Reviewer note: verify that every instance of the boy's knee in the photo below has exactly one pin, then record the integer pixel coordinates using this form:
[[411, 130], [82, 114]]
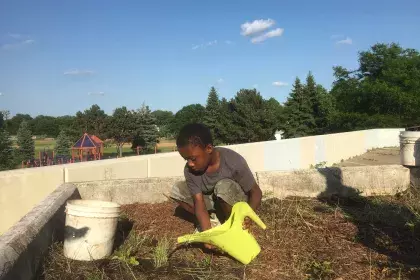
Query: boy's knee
[[229, 191], [180, 192]]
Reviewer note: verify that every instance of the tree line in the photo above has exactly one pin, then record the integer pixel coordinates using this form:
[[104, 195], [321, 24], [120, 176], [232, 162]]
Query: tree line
[[382, 92]]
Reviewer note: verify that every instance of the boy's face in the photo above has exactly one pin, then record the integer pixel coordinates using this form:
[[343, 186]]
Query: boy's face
[[197, 157]]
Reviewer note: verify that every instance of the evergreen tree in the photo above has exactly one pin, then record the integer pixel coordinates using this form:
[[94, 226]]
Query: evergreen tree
[[146, 128], [311, 94], [212, 115], [6, 151], [26, 145], [253, 119], [63, 144], [227, 129], [321, 103], [326, 110], [1, 120], [298, 112]]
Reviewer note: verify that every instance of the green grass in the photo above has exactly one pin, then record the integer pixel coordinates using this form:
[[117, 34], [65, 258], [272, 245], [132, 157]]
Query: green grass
[[165, 146]]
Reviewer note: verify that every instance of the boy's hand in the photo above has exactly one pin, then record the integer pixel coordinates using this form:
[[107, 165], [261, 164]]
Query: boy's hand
[[246, 224], [209, 246]]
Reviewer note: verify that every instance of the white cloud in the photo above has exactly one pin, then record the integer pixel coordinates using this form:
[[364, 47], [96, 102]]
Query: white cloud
[[280, 84], [77, 72], [16, 45], [347, 41], [219, 81], [273, 33], [101, 93], [16, 36], [256, 26], [211, 43], [336, 36], [255, 85], [205, 45], [228, 42], [1, 94]]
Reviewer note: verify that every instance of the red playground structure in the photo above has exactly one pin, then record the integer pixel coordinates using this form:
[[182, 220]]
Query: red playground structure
[[88, 147]]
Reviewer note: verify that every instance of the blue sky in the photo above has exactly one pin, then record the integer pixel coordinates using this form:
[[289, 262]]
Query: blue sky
[[58, 57]]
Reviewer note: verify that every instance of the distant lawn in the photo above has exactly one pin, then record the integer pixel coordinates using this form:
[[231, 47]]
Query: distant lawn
[[165, 146]]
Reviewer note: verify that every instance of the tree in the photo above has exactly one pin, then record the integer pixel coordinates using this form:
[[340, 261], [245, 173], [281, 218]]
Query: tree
[[92, 121], [253, 118], [13, 124], [164, 120], [321, 103], [298, 112], [311, 94], [324, 117], [26, 145], [6, 151], [274, 106], [227, 129], [188, 114], [212, 115], [122, 127], [386, 82], [146, 128], [1, 120], [63, 144], [45, 125], [69, 125], [5, 115]]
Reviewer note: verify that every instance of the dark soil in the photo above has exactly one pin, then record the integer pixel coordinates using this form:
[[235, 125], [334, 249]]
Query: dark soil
[[353, 238]]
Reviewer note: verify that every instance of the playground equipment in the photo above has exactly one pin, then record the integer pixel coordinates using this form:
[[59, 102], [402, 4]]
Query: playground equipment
[[230, 237], [88, 147]]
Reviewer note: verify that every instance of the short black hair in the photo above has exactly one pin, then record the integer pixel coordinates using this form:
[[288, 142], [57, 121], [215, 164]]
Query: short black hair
[[194, 134]]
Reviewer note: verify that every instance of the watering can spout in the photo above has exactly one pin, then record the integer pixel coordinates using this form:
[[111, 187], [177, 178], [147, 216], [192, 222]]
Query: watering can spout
[[230, 236]]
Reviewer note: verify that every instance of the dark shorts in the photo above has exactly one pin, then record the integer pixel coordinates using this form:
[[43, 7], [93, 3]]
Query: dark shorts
[[227, 190]]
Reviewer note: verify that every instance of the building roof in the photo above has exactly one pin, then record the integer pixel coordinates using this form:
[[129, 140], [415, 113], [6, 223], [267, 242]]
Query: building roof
[[96, 139], [86, 141]]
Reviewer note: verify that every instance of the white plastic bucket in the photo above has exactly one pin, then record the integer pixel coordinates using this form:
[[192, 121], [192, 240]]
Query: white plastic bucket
[[90, 229], [410, 148]]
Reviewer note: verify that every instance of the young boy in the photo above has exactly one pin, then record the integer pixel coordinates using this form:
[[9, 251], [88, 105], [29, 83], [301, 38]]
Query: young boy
[[214, 177]]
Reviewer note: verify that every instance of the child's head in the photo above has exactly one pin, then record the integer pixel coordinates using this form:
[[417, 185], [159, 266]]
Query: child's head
[[195, 144]]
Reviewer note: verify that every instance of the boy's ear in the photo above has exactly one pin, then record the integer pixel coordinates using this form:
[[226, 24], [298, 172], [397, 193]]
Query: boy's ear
[[209, 149]]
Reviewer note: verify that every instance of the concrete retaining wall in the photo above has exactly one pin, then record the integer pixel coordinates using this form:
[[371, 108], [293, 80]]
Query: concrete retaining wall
[[366, 180], [20, 190], [23, 246]]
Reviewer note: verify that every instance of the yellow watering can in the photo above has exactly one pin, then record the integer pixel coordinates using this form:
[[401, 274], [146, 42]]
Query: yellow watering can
[[230, 237]]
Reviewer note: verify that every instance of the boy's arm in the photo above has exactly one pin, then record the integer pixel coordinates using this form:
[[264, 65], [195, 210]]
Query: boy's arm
[[200, 211], [246, 179], [254, 197]]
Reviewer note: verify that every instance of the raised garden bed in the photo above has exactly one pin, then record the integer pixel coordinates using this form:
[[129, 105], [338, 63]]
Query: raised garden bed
[[354, 238]]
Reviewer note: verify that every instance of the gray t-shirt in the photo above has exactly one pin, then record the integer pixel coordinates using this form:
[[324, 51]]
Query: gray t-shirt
[[232, 166]]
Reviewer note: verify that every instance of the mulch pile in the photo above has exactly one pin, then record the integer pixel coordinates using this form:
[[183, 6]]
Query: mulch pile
[[304, 239], [159, 220]]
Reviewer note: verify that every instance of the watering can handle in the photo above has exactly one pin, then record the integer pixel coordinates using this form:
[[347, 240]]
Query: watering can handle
[[253, 216]]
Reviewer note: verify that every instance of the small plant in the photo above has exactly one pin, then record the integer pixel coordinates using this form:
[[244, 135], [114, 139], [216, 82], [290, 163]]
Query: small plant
[[126, 253], [319, 270], [160, 253], [126, 257], [206, 261], [321, 164], [267, 194], [96, 275]]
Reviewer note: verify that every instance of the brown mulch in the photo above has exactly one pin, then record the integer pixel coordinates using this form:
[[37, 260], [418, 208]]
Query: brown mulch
[[374, 238], [158, 219]]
